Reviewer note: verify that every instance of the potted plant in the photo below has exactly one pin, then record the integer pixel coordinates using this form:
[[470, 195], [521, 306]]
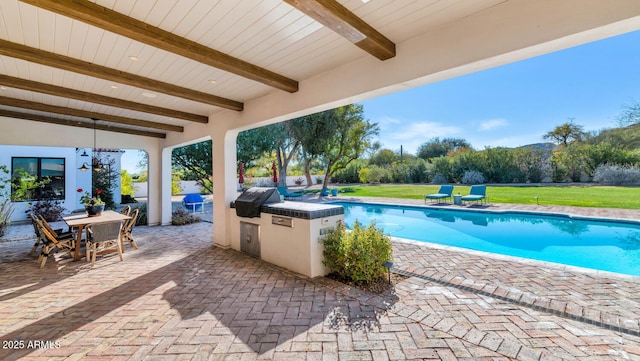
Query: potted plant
[[93, 205]]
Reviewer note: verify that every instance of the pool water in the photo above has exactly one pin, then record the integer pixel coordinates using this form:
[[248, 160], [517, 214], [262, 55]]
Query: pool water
[[597, 244]]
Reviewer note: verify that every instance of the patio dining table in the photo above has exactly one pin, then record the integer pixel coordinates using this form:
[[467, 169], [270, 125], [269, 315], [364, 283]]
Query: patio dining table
[[80, 221]]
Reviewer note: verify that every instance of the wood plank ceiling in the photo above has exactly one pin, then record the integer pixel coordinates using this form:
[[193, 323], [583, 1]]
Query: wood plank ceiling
[[149, 68]]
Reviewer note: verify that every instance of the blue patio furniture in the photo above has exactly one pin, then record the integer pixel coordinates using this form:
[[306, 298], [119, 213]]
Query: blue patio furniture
[[286, 194], [444, 193], [194, 202], [477, 193]]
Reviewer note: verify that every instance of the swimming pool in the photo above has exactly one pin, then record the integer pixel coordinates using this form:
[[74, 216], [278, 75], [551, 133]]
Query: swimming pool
[[597, 244]]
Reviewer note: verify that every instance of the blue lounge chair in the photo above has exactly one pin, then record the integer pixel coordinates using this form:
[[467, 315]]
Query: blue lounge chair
[[444, 193], [193, 202], [477, 193], [285, 192]]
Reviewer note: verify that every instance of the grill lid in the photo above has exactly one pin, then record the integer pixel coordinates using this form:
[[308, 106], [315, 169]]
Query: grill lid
[[249, 202]]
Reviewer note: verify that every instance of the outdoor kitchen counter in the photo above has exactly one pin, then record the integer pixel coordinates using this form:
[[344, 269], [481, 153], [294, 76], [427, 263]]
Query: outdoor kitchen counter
[[287, 234], [301, 209]]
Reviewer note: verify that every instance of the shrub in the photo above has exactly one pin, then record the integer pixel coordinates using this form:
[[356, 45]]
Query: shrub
[[357, 256], [614, 174], [472, 177], [350, 174], [142, 214], [49, 209], [439, 179], [126, 199], [264, 182], [373, 174], [180, 217], [399, 173], [6, 210]]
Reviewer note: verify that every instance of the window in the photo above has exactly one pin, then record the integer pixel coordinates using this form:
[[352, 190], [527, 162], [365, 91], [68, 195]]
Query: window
[[27, 173]]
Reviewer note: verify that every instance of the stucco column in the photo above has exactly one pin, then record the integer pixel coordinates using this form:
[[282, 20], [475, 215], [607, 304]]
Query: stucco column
[[164, 194], [224, 183]]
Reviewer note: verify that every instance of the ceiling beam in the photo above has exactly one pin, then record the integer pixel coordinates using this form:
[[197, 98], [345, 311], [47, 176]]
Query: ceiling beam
[[54, 60], [115, 22], [25, 104], [336, 17], [97, 98], [73, 123]]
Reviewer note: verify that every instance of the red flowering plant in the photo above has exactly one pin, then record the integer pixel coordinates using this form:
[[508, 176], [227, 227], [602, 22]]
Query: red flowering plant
[[88, 200]]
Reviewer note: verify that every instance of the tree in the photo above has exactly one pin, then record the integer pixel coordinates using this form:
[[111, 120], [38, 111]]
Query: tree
[[103, 176], [383, 157], [438, 148], [195, 161], [286, 147], [350, 137], [254, 143], [126, 183], [630, 114], [312, 131], [566, 133]]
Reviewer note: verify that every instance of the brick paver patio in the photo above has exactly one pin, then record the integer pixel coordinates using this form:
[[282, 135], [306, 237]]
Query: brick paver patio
[[179, 298]]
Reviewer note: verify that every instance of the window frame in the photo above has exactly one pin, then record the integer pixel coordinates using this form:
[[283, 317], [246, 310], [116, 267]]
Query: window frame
[[37, 194]]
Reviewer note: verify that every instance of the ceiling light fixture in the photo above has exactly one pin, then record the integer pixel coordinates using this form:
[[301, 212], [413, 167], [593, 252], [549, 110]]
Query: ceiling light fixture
[[133, 58], [149, 95], [213, 81], [114, 87], [96, 165]]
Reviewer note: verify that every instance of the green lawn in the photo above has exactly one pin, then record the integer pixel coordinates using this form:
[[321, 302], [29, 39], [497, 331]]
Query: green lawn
[[580, 196]]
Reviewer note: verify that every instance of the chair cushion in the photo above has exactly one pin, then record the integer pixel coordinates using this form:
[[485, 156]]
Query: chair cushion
[[437, 196], [472, 198]]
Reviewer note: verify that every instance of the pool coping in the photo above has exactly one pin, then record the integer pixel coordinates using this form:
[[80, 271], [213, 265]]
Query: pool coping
[[562, 308], [502, 211], [546, 303]]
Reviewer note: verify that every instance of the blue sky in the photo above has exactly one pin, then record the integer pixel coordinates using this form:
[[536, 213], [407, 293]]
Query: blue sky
[[516, 104], [511, 105]]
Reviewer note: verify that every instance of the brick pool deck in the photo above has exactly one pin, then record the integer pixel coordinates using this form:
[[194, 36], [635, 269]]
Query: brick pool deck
[[179, 298]]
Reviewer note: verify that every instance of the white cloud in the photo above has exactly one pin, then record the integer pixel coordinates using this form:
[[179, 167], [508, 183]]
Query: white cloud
[[492, 124], [396, 132]]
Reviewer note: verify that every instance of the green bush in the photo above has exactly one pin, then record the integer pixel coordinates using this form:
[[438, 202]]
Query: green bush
[[142, 214], [127, 199], [180, 217], [357, 256], [49, 209]]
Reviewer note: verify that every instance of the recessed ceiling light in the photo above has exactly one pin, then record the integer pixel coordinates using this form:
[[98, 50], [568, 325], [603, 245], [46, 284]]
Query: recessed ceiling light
[[149, 95], [212, 81], [114, 87], [365, 1], [3, 87], [133, 57]]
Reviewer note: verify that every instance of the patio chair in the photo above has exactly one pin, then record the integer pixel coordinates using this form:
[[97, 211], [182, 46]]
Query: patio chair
[[286, 194], [127, 228], [126, 210], [39, 237], [52, 243], [443, 193], [103, 238], [477, 193], [59, 232], [193, 202]]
